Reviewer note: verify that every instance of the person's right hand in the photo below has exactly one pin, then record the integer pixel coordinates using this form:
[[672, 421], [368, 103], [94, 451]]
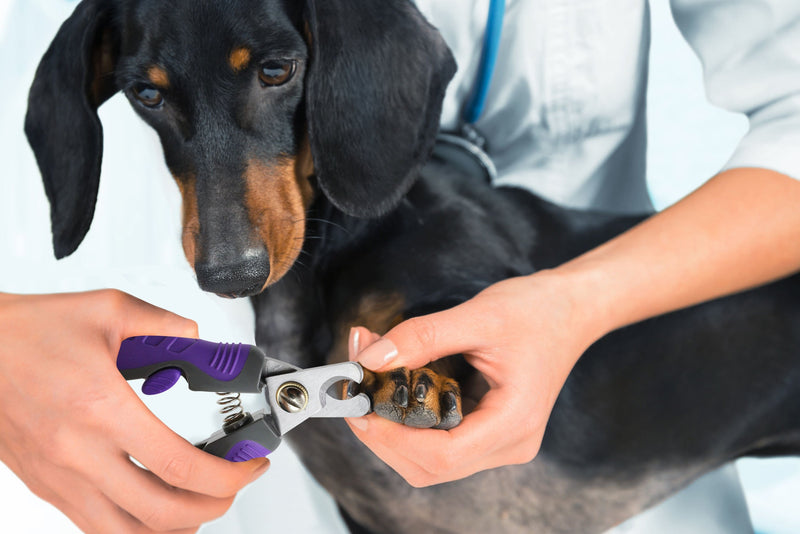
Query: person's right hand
[[70, 423]]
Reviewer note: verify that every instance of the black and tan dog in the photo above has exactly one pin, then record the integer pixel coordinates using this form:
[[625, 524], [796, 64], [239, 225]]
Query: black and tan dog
[[307, 128]]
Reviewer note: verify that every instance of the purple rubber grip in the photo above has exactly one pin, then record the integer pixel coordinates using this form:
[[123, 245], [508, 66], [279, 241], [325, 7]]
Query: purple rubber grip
[[246, 450], [219, 361], [161, 381]]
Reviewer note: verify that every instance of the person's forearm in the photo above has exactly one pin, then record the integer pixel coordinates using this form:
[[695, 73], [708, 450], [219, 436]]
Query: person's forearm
[[739, 230]]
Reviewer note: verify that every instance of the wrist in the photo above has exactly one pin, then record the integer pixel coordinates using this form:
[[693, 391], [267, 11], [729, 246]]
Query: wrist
[[588, 294]]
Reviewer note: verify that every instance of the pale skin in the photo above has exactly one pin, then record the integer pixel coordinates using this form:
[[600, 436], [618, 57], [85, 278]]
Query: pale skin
[[80, 423], [739, 230]]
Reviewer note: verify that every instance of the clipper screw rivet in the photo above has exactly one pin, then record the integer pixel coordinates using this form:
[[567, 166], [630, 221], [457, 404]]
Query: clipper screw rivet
[[292, 397]]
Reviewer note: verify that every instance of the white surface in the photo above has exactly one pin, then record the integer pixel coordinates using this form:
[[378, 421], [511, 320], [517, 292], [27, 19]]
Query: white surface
[[133, 245]]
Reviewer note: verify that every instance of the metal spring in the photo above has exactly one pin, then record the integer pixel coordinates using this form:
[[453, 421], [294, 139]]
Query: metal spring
[[231, 406]]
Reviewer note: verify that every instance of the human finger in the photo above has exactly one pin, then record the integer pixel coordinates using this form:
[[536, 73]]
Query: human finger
[[360, 339], [176, 461], [429, 474], [488, 437], [104, 516], [137, 317], [85, 505], [417, 471], [420, 340], [154, 503]]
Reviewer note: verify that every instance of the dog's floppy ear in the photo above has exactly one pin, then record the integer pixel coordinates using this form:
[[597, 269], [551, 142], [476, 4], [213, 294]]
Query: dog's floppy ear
[[374, 92], [74, 77]]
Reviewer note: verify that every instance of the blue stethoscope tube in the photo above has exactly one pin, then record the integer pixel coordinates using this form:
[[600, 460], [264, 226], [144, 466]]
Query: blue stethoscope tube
[[491, 44]]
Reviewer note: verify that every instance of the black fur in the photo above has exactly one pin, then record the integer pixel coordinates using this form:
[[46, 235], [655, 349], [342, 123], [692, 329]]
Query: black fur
[[62, 119], [646, 410], [370, 126]]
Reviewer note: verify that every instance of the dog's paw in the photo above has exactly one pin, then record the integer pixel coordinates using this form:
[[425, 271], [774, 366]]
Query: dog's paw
[[421, 398]]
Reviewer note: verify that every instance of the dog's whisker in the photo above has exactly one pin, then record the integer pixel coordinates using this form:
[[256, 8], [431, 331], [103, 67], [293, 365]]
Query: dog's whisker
[[326, 221], [288, 263]]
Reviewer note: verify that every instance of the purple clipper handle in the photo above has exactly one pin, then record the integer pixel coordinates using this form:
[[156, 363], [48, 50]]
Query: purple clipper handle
[[206, 366], [254, 437]]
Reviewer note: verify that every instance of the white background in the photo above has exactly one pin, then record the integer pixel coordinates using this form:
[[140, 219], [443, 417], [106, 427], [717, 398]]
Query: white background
[[134, 245]]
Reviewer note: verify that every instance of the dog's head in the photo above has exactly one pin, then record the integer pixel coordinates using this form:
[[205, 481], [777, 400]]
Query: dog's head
[[250, 98]]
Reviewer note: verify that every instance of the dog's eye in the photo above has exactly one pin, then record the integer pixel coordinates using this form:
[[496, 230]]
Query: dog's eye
[[148, 95], [276, 72]]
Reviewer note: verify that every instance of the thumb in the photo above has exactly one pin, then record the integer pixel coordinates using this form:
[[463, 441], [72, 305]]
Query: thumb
[[136, 317], [420, 340]]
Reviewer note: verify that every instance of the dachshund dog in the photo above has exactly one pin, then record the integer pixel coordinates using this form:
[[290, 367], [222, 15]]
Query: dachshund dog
[[308, 127]]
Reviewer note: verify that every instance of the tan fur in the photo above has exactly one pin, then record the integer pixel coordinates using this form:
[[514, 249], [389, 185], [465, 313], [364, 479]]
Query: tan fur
[[276, 198], [191, 220], [158, 76], [239, 59]]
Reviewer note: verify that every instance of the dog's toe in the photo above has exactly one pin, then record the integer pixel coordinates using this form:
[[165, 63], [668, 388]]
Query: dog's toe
[[389, 394], [423, 412], [451, 407], [420, 398], [400, 396]]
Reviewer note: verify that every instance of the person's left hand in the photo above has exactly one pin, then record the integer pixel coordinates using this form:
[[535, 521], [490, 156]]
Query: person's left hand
[[523, 334]]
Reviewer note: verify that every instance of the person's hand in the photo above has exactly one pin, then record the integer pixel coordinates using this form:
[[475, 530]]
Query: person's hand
[[523, 334], [69, 422]]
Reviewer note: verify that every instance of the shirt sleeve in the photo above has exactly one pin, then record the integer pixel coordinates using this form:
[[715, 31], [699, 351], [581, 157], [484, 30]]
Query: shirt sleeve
[[750, 51]]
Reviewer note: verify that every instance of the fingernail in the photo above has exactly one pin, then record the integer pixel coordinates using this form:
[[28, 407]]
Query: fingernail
[[258, 471], [378, 354], [360, 423], [353, 344]]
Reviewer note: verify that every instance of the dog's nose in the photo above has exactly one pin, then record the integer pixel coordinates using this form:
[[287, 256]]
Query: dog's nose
[[242, 278]]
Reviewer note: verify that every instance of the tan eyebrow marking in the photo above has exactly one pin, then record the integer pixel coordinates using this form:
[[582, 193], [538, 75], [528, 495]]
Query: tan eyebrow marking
[[158, 76], [239, 58]]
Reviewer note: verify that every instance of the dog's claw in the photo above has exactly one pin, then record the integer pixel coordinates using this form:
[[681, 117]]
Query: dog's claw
[[451, 411], [420, 391], [400, 396], [449, 402]]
